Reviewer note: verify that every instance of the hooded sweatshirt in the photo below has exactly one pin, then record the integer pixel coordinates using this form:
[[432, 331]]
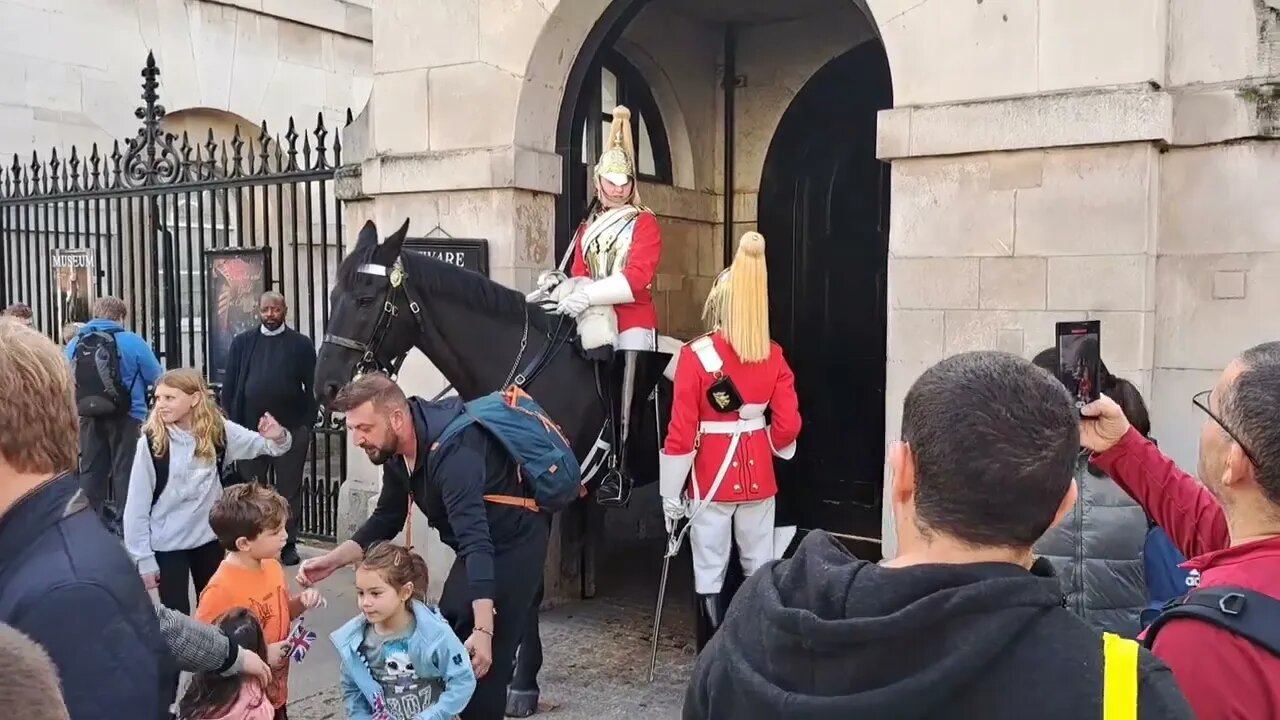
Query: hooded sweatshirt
[[825, 635]]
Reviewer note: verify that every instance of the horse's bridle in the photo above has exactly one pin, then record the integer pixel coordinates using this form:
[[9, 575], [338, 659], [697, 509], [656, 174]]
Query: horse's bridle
[[396, 277], [396, 285]]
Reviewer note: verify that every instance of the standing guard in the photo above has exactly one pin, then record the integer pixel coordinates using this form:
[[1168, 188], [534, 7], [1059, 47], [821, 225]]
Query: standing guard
[[725, 380], [615, 253]]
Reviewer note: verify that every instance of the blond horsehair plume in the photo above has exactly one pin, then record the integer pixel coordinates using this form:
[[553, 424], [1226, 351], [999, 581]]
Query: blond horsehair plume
[[618, 158], [738, 304]]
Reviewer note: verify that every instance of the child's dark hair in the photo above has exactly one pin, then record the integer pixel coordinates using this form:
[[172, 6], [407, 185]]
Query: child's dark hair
[[246, 510], [399, 567], [210, 694]]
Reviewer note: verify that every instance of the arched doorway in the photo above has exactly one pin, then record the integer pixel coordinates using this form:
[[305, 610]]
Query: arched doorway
[[824, 200]]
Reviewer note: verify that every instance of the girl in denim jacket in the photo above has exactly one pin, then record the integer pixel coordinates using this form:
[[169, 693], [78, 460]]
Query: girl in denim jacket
[[400, 659]]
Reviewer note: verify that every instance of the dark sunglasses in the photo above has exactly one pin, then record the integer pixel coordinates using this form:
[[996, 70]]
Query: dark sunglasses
[[1201, 400]]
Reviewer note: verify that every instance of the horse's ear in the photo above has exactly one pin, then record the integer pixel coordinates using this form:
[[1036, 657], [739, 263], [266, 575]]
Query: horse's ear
[[368, 235], [389, 250]]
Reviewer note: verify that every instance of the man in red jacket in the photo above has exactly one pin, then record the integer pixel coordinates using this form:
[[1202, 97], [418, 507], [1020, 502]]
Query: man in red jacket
[[1229, 526]]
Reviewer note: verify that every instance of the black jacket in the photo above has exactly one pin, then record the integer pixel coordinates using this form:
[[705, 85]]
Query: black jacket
[[825, 635], [300, 372], [468, 466], [70, 586]]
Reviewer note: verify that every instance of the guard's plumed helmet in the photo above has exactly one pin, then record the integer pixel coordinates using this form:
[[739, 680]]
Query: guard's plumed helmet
[[738, 304], [617, 162]]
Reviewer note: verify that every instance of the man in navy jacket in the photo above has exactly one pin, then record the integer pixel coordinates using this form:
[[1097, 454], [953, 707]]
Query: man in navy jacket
[[65, 581]]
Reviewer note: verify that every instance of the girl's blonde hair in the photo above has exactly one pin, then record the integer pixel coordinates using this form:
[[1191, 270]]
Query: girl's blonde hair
[[738, 305], [207, 423]]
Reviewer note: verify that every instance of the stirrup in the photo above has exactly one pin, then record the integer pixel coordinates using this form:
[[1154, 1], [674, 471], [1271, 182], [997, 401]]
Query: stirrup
[[615, 489]]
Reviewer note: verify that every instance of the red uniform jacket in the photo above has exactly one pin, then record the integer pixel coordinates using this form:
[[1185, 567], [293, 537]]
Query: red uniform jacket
[[1223, 676], [750, 475], [639, 268]]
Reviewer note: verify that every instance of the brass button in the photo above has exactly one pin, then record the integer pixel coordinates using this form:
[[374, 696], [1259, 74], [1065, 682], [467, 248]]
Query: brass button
[[737, 488], [755, 487], [751, 462], [735, 463]]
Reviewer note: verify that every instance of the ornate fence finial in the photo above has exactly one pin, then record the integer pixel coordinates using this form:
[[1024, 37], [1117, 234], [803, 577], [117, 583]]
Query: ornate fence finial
[[73, 165], [322, 162], [151, 158]]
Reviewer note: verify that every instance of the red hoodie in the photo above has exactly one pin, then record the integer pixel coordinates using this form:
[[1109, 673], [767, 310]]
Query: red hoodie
[[1223, 676]]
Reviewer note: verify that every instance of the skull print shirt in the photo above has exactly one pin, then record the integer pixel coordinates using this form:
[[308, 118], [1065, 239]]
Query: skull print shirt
[[405, 692]]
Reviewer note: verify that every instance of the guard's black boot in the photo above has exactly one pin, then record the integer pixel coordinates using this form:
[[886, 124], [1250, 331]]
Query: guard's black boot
[[615, 488], [709, 617]]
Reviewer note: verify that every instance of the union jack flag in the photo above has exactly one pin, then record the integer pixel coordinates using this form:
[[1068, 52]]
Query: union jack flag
[[380, 709], [300, 641]]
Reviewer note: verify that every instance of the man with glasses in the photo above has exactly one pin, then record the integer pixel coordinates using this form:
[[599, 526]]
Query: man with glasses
[[1229, 526]]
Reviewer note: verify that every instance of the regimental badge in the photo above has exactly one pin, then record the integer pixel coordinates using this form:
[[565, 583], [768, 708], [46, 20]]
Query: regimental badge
[[723, 394], [397, 274]]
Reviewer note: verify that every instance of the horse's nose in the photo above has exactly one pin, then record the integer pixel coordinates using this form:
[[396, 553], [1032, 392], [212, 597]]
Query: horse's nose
[[330, 392]]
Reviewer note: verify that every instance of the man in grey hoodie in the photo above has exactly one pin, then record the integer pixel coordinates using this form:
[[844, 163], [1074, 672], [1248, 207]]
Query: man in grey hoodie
[[964, 622]]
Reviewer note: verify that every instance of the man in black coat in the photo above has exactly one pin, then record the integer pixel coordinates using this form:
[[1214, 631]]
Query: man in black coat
[[500, 548], [965, 622], [270, 370], [66, 582]]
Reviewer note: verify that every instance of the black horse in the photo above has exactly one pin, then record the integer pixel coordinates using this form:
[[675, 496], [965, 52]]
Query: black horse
[[482, 337]]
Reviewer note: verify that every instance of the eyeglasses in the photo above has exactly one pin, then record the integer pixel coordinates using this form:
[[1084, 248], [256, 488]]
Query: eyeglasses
[[1201, 400]]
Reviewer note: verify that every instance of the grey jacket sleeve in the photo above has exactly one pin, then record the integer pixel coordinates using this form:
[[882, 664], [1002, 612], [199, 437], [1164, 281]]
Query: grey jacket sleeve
[[198, 647]]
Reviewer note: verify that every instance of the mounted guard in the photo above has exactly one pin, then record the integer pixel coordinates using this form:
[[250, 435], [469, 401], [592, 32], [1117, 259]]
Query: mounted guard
[[716, 467], [615, 255]]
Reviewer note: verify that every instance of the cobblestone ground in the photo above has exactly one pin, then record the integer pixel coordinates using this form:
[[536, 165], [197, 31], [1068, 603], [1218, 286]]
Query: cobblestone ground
[[596, 658]]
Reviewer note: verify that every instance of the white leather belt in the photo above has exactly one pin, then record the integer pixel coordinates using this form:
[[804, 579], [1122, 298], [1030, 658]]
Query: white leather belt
[[729, 427]]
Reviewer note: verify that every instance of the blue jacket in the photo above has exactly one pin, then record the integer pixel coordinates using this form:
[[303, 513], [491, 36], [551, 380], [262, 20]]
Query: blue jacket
[[436, 653], [69, 585], [139, 367]]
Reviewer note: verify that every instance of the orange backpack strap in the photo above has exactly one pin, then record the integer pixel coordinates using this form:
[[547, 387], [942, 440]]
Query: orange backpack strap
[[524, 502], [408, 524]]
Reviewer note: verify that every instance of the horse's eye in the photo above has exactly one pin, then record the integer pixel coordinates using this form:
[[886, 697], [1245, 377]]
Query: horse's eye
[[365, 301]]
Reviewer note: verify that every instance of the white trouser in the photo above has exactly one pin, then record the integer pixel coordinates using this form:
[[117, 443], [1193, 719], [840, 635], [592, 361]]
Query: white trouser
[[719, 524]]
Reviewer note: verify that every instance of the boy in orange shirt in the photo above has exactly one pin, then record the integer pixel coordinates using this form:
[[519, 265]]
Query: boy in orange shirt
[[249, 521]]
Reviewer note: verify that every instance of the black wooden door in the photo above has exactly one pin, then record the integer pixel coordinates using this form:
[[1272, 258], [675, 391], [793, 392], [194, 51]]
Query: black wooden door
[[824, 202]]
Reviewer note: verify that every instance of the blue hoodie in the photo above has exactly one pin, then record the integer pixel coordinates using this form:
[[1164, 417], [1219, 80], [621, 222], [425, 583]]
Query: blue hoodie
[[139, 367], [436, 654]]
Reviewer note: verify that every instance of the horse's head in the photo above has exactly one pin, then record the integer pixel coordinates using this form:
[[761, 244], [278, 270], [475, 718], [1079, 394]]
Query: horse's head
[[370, 324]]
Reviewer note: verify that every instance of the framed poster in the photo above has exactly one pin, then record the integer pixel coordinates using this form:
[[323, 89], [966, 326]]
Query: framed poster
[[235, 280], [470, 255], [73, 280]]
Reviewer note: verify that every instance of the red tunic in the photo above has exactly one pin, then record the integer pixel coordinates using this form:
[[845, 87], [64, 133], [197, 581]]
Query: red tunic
[[750, 475], [639, 268]]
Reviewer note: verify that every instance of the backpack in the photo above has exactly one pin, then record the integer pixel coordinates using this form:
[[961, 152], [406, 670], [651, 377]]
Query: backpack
[[1246, 613], [100, 388], [1165, 579], [547, 467], [160, 463]]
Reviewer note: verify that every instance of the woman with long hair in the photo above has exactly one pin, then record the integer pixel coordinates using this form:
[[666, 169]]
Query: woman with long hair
[[213, 696], [177, 470], [1097, 549], [716, 467]]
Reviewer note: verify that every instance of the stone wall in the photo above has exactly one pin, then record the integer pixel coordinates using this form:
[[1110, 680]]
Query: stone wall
[[71, 67], [1110, 162]]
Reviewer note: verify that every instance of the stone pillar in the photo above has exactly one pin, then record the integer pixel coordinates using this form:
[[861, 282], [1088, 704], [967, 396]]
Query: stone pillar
[[1073, 165], [440, 148]]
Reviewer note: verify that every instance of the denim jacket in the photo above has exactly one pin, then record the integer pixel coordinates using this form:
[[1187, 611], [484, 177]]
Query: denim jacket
[[433, 648]]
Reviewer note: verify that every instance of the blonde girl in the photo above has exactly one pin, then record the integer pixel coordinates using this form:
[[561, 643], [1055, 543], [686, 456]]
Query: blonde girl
[[176, 478]]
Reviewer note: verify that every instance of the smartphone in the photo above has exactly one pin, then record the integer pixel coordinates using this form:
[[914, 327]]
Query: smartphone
[[1080, 359]]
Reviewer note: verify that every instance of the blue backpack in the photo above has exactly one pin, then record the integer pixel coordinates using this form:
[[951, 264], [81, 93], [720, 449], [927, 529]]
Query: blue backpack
[[548, 470], [1165, 580]]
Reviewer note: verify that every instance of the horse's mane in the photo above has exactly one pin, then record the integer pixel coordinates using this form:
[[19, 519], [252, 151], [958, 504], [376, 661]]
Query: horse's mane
[[447, 280]]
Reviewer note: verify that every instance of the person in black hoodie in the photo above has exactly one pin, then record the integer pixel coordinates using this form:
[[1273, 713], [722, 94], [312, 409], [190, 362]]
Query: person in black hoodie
[[501, 549], [963, 623]]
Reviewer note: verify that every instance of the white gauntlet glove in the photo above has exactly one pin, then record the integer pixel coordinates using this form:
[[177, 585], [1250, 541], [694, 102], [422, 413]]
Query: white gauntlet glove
[[673, 509], [574, 303]]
